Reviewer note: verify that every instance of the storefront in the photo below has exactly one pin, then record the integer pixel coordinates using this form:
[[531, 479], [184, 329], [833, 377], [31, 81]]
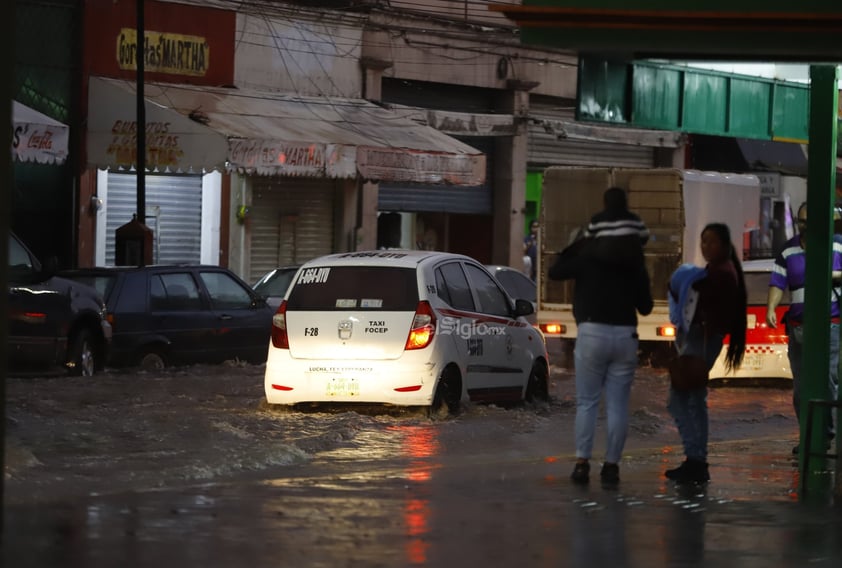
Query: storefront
[[439, 217], [293, 165]]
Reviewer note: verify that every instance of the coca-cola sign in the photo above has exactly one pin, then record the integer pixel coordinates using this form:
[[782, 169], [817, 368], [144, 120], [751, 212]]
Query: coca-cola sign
[[37, 137]]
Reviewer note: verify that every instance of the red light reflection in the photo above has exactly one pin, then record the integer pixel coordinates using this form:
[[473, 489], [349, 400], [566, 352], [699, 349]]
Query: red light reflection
[[420, 444]]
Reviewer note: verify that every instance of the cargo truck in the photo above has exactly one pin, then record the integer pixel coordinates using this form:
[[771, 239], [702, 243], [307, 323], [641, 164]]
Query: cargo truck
[[675, 205]]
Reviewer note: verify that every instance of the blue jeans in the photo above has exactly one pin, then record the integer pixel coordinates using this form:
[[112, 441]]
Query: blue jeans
[[689, 409], [795, 351], [605, 357]]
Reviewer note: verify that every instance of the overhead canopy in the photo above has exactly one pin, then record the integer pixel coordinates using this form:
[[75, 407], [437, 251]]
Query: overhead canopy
[[611, 134], [728, 154], [192, 128], [761, 30], [37, 137]]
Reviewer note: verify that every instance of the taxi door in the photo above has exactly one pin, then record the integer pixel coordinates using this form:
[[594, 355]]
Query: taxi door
[[503, 335]]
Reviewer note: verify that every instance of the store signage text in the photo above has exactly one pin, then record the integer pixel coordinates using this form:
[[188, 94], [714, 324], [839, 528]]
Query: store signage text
[[301, 158], [32, 138], [164, 52], [163, 149], [406, 165]]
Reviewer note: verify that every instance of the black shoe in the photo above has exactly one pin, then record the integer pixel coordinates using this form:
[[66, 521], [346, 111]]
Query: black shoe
[[581, 473], [690, 471], [610, 473]]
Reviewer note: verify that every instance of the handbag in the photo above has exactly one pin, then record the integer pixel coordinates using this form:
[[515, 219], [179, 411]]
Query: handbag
[[688, 372]]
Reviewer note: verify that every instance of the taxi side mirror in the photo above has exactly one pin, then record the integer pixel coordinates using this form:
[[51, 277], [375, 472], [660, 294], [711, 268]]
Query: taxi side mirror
[[524, 308]]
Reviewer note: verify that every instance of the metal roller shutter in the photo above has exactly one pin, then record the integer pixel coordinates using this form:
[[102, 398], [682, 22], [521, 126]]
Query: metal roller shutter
[[546, 149], [173, 212], [292, 221], [437, 198]]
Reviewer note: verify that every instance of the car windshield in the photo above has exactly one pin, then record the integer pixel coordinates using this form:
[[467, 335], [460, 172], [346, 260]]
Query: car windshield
[[276, 284], [379, 288], [517, 285], [757, 287]]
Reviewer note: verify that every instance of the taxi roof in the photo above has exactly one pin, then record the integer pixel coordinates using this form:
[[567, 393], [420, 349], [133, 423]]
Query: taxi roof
[[388, 257]]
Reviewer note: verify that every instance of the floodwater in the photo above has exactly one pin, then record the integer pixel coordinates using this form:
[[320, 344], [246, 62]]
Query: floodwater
[[187, 467]]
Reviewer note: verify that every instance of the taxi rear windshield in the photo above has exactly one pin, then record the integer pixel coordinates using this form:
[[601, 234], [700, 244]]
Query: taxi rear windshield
[[369, 288], [757, 288]]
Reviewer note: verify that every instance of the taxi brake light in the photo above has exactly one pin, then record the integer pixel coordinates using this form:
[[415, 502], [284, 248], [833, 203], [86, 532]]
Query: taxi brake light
[[280, 339], [423, 327]]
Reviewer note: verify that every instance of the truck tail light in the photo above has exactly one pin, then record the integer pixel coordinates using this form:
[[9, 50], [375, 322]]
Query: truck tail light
[[280, 339], [553, 328], [423, 327]]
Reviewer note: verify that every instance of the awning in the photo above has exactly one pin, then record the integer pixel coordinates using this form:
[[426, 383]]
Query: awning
[[726, 154], [37, 137], [771, 155], [256, 132], [611, 134]]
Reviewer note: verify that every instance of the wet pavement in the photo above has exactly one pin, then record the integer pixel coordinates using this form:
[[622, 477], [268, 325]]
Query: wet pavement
[[469, 511], [239, 486]]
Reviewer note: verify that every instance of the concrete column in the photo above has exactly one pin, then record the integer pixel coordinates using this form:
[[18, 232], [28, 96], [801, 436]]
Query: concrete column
[[239, 237], [509, 181], [349, 194], [671, 157], [87, 215], [372, 77], [366, 237]]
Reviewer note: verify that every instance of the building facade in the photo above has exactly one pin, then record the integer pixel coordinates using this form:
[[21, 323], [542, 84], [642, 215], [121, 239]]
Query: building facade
[[279, 131]]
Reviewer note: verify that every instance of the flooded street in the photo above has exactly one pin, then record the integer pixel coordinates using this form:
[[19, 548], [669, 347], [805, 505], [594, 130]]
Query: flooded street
[[188, 468]]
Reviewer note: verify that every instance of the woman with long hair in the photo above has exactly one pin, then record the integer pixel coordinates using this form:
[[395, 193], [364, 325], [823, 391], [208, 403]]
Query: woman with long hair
[[720, 310]]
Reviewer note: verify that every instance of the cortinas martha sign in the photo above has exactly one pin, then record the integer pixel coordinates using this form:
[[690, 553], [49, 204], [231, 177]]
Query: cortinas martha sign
[[176, 54]]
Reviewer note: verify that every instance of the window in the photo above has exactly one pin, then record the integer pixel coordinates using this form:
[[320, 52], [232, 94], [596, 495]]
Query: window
[[518, 285], [441, 288], [757, 288], [20, 264], [455, 287], [379, 288], [225, 292], [492, 300], [276, 283], [174, 292]]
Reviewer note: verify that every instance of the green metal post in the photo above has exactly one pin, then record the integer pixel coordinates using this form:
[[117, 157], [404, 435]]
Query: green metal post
[[821, 183], [7, 29]]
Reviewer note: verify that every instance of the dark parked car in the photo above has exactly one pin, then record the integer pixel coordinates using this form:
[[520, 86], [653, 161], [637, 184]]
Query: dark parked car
[[274, 284], [177, 315], [53, 322]]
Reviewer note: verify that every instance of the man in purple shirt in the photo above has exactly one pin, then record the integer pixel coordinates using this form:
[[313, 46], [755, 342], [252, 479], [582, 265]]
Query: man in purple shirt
[[789, 273]]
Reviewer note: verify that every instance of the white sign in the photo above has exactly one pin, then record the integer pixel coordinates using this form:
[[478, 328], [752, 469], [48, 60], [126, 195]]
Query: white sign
[[37, 137], [770, 183]]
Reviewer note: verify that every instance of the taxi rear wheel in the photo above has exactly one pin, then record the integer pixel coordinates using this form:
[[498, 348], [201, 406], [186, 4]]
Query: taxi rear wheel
[[448, 394], [538, 387]]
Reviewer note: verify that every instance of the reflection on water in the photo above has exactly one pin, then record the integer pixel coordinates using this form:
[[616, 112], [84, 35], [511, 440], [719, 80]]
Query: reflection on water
[[419, 444], [405, 452]]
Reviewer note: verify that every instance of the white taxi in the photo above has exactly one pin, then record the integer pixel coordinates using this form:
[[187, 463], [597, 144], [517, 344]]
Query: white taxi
[[766, 348], [406, 328]]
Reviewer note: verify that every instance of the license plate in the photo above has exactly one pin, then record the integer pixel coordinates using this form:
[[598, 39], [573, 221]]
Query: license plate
[[342, 386], [753, 362]]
